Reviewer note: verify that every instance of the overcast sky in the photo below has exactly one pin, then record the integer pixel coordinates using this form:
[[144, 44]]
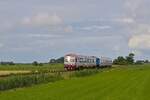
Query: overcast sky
[[43, 29]]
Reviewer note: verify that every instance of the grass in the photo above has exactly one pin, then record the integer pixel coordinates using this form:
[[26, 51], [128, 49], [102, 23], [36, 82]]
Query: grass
[[121, 83], [17, 81], [8, 70], [31, 67]]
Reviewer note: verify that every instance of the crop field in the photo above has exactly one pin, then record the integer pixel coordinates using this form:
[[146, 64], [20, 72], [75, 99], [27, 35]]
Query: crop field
[[119, 83]]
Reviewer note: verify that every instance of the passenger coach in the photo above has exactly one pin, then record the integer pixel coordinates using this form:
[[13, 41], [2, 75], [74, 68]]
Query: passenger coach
[[74, 61]]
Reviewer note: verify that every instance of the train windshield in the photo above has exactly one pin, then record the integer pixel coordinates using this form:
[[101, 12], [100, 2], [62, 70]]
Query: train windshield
[[72, 60], [69, 59], [66, 60]]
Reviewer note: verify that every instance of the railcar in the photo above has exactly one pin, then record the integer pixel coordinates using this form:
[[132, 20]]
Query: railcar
[[105, 62], [74, 62]]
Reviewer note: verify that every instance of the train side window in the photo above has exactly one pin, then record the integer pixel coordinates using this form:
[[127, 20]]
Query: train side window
[[70, 60], [90, 60], [85, 60], [81, 60], [93, 60]]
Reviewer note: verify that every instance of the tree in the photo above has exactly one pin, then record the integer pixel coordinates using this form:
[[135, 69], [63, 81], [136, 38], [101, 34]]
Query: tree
[[139, 62], [120, 61], [124, 61], [7, 63], [130, 58], [59, 60], [11, 63], [146, 61], [35, 63], [52, 61], [40, 64]]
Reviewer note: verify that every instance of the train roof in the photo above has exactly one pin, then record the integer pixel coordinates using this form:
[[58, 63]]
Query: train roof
[[71, 54], [76, 55], [105, 58]]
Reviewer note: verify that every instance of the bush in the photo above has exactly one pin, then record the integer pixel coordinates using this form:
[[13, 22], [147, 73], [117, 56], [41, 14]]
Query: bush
[[85, 72], [139, 62], [40, 64], [35, 63]]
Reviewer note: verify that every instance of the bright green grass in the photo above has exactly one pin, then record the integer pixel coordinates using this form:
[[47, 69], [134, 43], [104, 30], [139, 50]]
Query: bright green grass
[[132, 83]]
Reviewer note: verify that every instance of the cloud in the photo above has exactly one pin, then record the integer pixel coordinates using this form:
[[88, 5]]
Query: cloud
[[137, 52], [140, 41], [6, 25], [132, 7], [1, 45], [141, 28], [68, 29], [44, 36], [116, 48], [96, 27], [42, 19], [126, 20]]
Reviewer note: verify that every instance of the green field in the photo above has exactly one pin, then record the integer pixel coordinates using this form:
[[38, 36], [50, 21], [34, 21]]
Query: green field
[[7, 70], [121, 83], [31, 67]]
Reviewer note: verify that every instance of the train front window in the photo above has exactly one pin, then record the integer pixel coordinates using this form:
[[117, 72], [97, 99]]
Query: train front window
[[66, 60], [72, 60], [69, 59]]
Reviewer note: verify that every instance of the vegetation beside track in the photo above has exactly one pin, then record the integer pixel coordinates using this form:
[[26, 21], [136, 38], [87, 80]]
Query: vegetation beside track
[[118, 83], [24, 80]]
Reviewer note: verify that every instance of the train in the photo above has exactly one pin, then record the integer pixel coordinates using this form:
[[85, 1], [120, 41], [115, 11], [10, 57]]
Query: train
[[77, 62]]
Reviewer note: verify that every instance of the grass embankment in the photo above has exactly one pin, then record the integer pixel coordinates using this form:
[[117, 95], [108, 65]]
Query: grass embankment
[[127, 83]]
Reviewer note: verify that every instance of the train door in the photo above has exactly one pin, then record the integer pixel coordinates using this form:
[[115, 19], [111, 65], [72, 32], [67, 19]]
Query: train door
[[97, 62]]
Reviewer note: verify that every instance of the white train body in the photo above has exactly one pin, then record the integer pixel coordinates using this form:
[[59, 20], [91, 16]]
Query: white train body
[[104, 61], [85, 61], [73, 61]]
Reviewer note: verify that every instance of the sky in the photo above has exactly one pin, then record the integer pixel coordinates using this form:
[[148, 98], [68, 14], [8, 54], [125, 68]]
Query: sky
[[42, 29]]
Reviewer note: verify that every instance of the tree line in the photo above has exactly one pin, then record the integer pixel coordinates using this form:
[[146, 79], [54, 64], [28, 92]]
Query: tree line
[[51, 61], [59, 60], [7, 63], [128, 60]]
